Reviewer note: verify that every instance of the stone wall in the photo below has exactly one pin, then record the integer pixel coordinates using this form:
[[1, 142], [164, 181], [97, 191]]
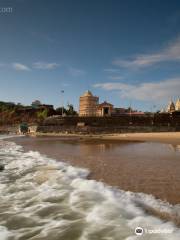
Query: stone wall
[[8, 129], [124, 123]]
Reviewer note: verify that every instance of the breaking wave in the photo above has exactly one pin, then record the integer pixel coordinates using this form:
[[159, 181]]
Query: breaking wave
[[44, 199]]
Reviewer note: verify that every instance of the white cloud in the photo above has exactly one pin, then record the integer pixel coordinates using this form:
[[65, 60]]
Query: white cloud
[[163, 90], [170, 53], [116, 77], [45, 65], [76, 72], [20, 67]]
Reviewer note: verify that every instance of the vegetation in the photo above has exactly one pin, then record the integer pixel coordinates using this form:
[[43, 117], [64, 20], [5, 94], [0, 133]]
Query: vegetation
[[6, 106], [41, 115], [11, 113], [23, 127], [70, 110]]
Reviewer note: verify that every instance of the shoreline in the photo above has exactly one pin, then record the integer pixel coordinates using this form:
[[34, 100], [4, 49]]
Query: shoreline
[[130, 165], [149, 209], [117, 161], [163, 137]]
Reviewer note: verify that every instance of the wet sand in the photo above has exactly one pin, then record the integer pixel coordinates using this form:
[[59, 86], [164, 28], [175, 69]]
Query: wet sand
[[163, 137], [147, 167]]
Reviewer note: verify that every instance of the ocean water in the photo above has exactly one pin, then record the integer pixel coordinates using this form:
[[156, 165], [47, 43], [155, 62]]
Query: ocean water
[[44, 199]]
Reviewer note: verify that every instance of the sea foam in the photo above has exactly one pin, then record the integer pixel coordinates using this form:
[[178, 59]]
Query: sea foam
[[43, 199]]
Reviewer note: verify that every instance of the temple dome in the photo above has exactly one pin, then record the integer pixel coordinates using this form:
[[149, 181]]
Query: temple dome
[[87, 94], [171, 107], [177, 106]]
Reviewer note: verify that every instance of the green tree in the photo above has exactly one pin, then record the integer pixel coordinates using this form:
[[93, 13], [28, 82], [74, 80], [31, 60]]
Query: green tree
[[70, 110], [41, 115], [24, 128], [59, 111]]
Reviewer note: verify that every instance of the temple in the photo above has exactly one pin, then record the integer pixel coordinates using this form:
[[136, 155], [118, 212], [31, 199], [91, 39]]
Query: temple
[[173, 107], [89, 106], [177, 106], [104, 109], [170, 107]]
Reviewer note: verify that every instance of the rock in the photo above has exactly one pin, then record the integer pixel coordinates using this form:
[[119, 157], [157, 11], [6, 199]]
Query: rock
[[1, 167]]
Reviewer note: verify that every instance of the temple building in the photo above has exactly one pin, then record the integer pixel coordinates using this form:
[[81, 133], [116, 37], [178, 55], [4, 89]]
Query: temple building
[[88, 104], [173, 107], [104, 109], [177, 106]]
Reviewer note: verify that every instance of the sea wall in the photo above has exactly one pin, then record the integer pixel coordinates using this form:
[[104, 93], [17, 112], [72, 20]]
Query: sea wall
[[7, 129], [146, 123]]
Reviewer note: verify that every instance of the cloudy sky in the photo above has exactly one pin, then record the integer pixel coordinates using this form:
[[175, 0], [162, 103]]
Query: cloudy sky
[[126, 52]]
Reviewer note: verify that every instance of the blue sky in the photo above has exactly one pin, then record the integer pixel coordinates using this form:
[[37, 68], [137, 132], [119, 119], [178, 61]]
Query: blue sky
[[126, 52]]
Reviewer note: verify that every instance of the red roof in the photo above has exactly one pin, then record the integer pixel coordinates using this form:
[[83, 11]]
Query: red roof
[[105, 104]]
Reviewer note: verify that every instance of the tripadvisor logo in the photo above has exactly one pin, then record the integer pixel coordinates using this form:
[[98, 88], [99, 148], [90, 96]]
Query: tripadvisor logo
[[139, 231]]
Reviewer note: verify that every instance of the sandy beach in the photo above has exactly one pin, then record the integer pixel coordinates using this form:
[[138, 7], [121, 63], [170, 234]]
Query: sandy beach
[[147, 163], [163, 137]]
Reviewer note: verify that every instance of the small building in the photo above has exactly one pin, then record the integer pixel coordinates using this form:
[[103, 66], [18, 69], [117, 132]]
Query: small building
[[46, 106], [119, 111], [32, 129], [104, 109], [36, 104]]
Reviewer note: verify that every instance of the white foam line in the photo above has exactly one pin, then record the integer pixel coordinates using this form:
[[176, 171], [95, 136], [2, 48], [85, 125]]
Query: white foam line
[[99, 205]]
